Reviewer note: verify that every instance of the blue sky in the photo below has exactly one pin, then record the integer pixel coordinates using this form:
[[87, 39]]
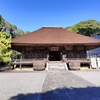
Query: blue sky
[[30, 15]]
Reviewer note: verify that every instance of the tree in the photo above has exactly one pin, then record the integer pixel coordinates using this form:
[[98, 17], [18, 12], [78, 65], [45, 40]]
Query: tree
[[1, 22], [10, 28], [87, 28], [8, 31], [27, 32], [18, 33], [5, 52]]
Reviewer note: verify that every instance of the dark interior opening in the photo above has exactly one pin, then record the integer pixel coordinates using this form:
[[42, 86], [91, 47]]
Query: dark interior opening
[[54, 56]]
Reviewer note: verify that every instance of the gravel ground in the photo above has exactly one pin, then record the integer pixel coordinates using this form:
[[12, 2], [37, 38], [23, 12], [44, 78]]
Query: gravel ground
[[92, 76], [51, 85], [14, 84]]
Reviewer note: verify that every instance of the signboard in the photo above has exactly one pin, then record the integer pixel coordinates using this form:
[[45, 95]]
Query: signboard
[[54, 48]]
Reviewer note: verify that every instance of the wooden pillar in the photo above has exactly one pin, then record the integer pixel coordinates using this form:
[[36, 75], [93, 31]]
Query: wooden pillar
[[75, 52]]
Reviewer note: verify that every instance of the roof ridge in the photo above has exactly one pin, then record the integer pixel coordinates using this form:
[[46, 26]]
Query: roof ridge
[[51, 26]]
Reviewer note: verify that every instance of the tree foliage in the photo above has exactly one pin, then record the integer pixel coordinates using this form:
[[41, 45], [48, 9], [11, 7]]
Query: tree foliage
[[87, 28], [7, 31], [5, 52], [18, 33], [27, 32], [12, 29], [1, 23]]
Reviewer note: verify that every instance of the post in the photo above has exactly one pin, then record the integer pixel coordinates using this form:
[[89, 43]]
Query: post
[[14, 66], [66, 67], [20, 65], [33, 64], [47, 66]]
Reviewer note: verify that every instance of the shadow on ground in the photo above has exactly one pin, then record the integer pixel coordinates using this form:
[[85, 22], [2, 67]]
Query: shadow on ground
[[88, 93]]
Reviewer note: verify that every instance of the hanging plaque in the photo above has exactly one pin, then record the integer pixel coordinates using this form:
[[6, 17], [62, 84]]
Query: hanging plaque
[[54, 48]]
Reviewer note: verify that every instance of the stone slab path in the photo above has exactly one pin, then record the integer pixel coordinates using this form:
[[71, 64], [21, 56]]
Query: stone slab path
[[64, 85]]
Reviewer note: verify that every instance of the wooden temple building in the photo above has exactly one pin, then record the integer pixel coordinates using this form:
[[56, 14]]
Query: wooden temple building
[[54, 44]]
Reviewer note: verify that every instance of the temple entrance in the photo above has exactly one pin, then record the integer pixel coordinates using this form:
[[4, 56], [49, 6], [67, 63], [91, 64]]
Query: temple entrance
[[54, 56]]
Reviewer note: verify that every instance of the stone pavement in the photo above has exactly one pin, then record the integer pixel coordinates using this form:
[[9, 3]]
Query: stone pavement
[[64, 85], [92, 76], [21, 85], [51, 85]]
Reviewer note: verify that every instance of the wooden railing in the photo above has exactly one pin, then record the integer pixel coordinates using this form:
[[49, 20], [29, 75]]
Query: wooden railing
[[35, 63], [42, 63]]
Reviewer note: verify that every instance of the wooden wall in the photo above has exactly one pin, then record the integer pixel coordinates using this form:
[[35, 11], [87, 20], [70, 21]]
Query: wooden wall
[[43, 52], [34, 52], [74, 52]]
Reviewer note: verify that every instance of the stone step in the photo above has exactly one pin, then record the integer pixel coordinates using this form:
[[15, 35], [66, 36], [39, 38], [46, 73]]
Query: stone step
[[55, 61], [56, 65]]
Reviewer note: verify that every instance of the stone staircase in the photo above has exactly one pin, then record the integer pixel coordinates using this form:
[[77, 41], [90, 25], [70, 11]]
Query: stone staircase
[[56, 65]]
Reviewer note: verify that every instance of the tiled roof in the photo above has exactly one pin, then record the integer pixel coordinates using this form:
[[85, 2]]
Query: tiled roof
[[54, 35]]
